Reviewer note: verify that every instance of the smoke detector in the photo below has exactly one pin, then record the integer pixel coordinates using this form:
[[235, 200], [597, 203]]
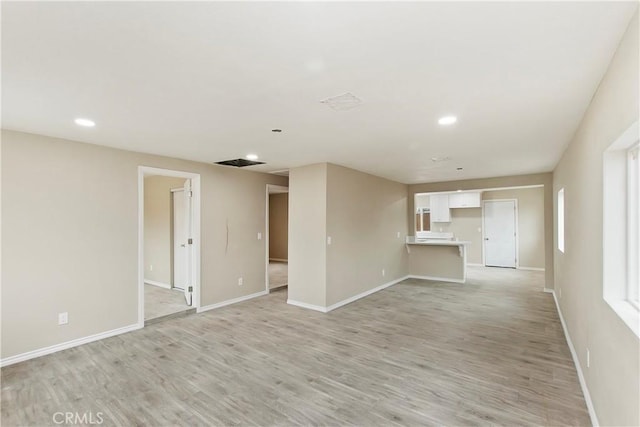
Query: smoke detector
[[346, 101]]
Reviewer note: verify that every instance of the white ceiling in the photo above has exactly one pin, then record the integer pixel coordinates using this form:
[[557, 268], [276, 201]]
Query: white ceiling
[[208, 81]]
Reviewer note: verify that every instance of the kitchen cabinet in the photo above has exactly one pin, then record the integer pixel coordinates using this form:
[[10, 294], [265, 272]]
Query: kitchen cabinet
[[464, 200], [440, 208]]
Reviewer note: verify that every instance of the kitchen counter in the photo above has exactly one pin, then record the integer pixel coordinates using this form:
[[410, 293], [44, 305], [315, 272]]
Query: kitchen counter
[[443, 242], [442, 260]]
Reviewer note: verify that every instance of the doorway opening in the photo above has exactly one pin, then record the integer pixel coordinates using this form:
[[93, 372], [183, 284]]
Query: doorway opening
[[277, 238], [168, 244]]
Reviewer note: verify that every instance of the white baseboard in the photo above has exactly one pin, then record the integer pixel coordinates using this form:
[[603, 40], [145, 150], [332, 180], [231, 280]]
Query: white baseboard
[[436, 279], [576, 361], [278, 286], [471, 264], [160, 284], [231, 301], [365, 293], [530, 268], [278, 260], [308, 306], [548, 290], [65, 345], [345, 301]]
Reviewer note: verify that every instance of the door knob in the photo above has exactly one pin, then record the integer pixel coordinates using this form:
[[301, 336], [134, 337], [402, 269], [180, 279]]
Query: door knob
[[486, 238]]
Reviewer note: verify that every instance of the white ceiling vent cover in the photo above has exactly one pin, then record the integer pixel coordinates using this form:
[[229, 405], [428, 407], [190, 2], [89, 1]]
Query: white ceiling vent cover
[[346, 101]]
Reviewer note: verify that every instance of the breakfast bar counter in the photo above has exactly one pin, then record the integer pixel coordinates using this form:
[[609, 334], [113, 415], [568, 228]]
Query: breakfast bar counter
[[438, 259]]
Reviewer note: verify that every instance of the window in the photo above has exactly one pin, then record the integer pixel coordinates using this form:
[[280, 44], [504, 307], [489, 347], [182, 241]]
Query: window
[[561, 220], [621, 227]]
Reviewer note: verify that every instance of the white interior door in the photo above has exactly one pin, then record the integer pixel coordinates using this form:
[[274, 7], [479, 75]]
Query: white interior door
[[500, 233], [179, 241], [182, 241]]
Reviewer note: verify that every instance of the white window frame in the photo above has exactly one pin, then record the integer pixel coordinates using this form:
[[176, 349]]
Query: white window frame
[[620, 228], [633, 225], [561, 220]]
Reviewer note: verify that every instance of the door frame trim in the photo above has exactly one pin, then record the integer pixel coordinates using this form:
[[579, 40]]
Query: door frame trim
[[266, 230], [195, 262], [516, 212]]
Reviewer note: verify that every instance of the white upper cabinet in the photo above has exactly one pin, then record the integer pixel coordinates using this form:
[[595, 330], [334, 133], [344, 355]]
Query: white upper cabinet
[[464, 200], [440, 208]]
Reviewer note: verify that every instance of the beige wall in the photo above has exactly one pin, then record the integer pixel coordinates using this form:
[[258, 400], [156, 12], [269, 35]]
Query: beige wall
[[307, 234], [464, 225], [158, 227], [544, 179], [279, 226], [365, 213], [70, 237], [436, 261], [530, 223], [613, 375], [362, 214]]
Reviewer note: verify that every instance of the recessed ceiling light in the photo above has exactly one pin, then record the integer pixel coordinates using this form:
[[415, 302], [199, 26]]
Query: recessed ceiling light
[[447, 120], [85, 122], [252, 157]]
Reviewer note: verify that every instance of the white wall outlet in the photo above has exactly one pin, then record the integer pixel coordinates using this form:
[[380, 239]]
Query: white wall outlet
[[240, 281], [479, 230], [398, 234], [151, 267], [63, 318], [588, 358], [383, 272], [259, 236], [328, 240], [441, 229]]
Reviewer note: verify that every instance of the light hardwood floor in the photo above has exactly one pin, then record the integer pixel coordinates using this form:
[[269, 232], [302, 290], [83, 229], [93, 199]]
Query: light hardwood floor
[[278, 274], [161, 302], [491, 351]]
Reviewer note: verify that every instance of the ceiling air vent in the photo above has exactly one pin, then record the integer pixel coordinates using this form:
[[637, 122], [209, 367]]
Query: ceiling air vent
[[346, 101], [239, 163]]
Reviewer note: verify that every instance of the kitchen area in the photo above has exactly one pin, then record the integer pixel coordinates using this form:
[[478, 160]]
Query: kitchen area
[[492, 227], [435, 252]]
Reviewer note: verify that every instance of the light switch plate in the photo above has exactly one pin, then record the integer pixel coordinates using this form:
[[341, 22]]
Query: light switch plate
[[63, 318]]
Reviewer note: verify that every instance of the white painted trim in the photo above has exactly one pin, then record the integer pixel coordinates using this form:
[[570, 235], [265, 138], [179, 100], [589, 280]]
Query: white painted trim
[[196, 264], [345, 301], [65, 345], [576, 361], [278, 260], [278, 286], [436, 279], [308, 306], [230, 301], [547, 290], [472, 264], [516, 214], [281, 189], [159, 284], [365, 293], [531, 268]]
